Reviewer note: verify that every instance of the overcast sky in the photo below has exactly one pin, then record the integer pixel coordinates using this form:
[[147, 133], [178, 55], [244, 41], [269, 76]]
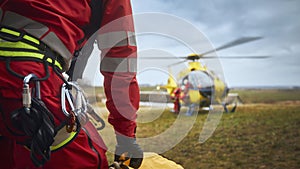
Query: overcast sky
[[221, 21], [182, 27]]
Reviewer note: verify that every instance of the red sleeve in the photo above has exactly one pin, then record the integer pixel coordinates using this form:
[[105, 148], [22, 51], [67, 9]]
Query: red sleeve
[[118, 65]]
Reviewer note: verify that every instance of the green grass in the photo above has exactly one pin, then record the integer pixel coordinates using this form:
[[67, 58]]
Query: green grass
[[268, 95], [262, 133], [261, 136], [255, 136]]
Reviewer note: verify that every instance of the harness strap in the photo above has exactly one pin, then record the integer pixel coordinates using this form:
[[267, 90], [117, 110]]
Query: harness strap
[[62, 138], [20, 45]]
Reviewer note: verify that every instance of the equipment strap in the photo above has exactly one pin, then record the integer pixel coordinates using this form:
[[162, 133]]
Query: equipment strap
[[20, 45], [67, 138]]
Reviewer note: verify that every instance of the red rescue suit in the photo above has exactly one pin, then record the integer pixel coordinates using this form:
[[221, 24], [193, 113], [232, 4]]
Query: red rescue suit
[[177, 104], [65, 26]]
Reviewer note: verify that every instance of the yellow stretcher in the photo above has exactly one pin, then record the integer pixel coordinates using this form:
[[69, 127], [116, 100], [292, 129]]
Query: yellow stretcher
[[155, 161]]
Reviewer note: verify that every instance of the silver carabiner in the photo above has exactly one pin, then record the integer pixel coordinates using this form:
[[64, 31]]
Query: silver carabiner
[[64, 93], [26, 95], [78, 102]]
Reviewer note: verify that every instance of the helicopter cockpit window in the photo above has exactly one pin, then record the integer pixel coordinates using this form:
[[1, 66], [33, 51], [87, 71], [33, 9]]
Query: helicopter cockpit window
[[199, 79]]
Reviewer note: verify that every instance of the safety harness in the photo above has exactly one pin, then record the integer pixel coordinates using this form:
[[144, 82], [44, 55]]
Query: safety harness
[[34, 120], [16, 44]]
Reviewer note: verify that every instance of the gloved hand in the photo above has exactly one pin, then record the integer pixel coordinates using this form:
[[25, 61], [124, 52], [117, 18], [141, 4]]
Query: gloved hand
[[128, 149]]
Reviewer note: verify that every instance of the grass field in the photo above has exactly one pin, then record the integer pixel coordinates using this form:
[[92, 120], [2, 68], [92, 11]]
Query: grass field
[[263, 133], [256, 136]]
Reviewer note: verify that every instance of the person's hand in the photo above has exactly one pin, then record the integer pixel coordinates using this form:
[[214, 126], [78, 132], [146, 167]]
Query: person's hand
[[128, 152]]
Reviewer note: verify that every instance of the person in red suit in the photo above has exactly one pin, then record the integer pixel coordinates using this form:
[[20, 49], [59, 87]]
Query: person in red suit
[[38, 41], [176, 98]]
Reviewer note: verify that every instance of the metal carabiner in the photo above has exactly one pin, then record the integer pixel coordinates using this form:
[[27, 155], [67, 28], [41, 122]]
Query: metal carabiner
[[64, 93], [26, 95], [79, 100], [78, 103]]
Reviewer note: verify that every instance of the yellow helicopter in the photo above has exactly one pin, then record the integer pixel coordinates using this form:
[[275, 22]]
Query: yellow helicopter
[[199, 85]]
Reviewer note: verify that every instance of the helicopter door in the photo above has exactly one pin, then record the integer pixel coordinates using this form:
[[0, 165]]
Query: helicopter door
[[200, 85]]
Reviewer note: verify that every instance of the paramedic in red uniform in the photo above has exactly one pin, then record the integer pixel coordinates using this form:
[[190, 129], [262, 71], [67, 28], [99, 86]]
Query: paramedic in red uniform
[[176, 97], [42, 37]]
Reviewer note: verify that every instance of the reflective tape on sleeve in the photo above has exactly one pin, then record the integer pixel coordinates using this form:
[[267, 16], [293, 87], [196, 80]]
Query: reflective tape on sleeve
[[116, 39], [109, 64], [131, 39]]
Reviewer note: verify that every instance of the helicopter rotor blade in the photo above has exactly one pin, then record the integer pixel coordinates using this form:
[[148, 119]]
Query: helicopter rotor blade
[[177, 63], [203, 55], [208, 57], [163, 57], [233, 43], [235, 57]]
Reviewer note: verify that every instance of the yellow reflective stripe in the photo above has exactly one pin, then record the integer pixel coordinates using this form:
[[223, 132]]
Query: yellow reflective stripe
[[7, 44], [56, 63], [72, 135], [29, 55], [22, 45], [18, 21], [10, 32], [15, 33], [21, 54], [38, 31], [32, 39]]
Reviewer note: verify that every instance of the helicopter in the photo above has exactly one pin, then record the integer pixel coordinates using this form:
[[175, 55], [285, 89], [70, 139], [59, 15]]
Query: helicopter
[[199, 85]]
